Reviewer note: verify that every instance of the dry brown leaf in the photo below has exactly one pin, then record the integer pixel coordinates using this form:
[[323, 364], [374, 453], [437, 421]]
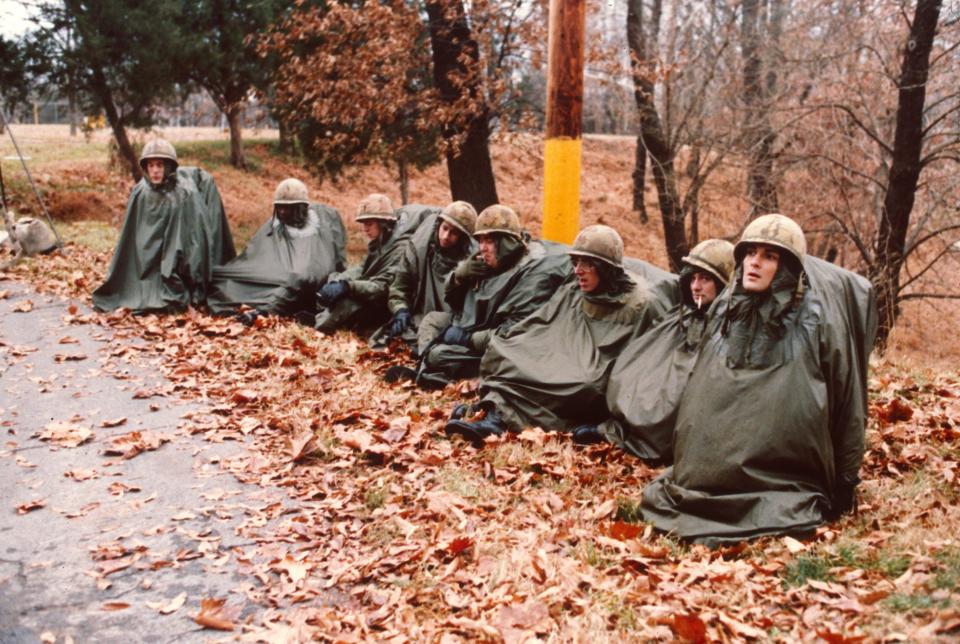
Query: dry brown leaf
[[65, 434], [213, 614], [30, 506], [24, 307], [115, 606], [174, 604], [114, 422]]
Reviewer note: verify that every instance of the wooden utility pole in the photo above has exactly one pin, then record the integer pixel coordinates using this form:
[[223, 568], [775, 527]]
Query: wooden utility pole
[[563, 147]]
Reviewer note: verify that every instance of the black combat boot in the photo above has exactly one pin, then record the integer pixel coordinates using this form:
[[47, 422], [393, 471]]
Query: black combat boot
[[588, 435], [490, 425]]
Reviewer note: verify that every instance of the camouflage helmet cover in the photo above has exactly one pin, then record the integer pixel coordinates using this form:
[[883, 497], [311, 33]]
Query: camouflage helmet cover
[[158, 149], [290, 191], [773, 230], [599, 242], [376, 207], [498, 219], [715, 256], [461, 215]]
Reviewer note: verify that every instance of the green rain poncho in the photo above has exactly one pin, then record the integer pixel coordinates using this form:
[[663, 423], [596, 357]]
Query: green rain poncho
[[172, 237], [550, 369], [772, 421], [492, 306], [282, 267], [647, 381], [366, 303], [418, 282]]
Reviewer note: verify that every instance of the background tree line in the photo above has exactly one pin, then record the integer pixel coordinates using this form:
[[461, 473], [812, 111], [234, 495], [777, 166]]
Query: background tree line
[[842, 113]]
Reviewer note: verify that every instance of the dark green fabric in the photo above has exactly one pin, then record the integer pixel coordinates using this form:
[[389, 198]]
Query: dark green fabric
[[495, 304], [171, 238], [418, 281], [369, 282], [771, 423], [647, 381], [281, 268], [550, 369]]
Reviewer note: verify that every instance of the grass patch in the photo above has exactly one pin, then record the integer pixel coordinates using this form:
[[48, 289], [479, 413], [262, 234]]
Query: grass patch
[[807, 567], [620, 612], [214, 155], [628, 510], [460, 482], [904, 603], [948, 576], [98, 236]]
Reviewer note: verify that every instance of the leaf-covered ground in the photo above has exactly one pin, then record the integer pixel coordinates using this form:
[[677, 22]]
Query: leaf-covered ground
[[399, 533]]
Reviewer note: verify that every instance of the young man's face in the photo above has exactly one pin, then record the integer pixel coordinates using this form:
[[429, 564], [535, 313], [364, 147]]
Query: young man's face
[[703, 289], [488, 249], [155, 171], [760, 264], [587, 274], [292, 214], [448, 236], [371, 228]]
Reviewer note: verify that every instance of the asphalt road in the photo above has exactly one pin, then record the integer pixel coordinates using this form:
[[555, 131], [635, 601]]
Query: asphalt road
[[116, 542]]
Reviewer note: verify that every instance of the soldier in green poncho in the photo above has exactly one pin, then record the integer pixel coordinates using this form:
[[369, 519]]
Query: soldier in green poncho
[[550, 370], [174, 233], [770, 429], [649, 376], [286, 261], [357, 297], [440, 242], [506, 280]]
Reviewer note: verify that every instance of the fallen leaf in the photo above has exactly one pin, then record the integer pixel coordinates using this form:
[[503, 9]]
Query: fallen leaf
[[115, 422], [174, 604], [793, 545], [689, 628], [214, 615], [30, 506], [24, 307], [69, 357], [65, 434], [116, 606], [80, 474]]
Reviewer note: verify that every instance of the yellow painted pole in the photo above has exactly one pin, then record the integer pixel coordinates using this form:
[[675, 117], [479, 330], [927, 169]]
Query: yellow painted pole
[[563, 146]]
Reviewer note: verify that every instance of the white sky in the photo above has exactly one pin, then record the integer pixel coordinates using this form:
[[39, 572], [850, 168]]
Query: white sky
[[14, 18]]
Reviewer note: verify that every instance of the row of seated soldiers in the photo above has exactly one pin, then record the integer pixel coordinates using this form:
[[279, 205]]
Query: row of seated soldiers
[[745, 374]]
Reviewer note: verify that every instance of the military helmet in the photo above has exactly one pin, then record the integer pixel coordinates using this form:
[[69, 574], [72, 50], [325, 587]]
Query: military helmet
[[376, 207], [498, 219], [461, 216], [599, 242], [773, 230], [158, 149], [291, 191], [715, 256]]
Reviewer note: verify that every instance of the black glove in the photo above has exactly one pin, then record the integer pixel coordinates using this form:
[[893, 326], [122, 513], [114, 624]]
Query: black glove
[[247, 318], [456, 335], [401, 320], [331, 292], [470, 270], [844, 499]]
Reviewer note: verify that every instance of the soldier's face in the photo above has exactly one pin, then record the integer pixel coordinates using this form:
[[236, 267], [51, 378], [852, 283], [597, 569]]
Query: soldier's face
[[291, 214], [371, 228], [587, 274], [447, 235], [703, 289], [760, 264], [488, 249], [155, 170]]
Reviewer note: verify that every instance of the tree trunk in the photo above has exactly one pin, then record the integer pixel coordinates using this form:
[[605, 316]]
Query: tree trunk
[[286, 137], [757, 91], [654, 140], [456, 57], [235, 121], [404, 182], [905, 167], [639, 179], [124, 147]]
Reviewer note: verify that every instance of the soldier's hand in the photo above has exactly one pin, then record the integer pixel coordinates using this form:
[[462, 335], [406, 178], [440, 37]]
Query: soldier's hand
[[401, 320], [456, 335], [470, 269], [331, 292]]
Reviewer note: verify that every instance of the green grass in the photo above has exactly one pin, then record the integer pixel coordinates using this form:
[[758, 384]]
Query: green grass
[[628, 510], [807, 567], [214, 155], [909, 603], [99, 236]]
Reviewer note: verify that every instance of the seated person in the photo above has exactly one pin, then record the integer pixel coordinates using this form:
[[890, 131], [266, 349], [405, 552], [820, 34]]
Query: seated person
[[649, 376], [550, 369], [174, 233], [770, 429], [440, 242], [508, 279], [287, 260], [357, 297]]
